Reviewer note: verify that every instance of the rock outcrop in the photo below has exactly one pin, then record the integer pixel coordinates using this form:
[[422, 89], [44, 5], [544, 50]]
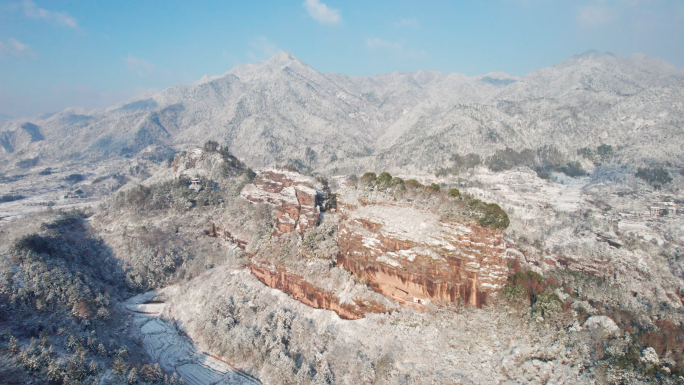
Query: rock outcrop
[[219, 232], [299, 200], [413, 257], [407, 254], [308, 294], [198, 163]]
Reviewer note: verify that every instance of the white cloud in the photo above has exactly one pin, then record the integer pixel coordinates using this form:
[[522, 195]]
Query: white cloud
[[321, 13], [13, 47], [397, 49], [262, 48], [411, 23], [137, 65], [59, 18], [595, 16], [378, 43]]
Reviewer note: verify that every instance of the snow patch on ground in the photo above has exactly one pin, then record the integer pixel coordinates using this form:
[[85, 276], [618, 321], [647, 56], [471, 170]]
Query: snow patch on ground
[[174, 352]]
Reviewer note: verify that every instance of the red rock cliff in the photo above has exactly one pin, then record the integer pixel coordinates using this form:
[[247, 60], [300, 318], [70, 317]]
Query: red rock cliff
[[407, 254], [306, 293], [413, 257], [298, 199]]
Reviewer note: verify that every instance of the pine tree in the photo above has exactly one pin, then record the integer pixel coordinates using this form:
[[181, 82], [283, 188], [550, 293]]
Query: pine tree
[[119, 366], [132, 377], [71, 343], [54, 372], [175, 380], [13, 345], [93, 367]]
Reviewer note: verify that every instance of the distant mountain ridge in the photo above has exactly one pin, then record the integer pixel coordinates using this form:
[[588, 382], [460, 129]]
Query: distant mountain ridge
[[273, 111]]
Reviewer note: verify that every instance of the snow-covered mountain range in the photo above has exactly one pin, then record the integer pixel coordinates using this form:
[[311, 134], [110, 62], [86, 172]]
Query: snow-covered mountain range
[[271, 112]]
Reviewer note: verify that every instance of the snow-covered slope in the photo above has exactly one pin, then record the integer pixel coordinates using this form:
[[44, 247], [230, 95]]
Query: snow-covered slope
[[272, 111]]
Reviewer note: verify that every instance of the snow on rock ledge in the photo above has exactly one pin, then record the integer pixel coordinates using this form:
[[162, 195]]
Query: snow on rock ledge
[[197, 163], [603, 325], [413, 257], [299, 199]]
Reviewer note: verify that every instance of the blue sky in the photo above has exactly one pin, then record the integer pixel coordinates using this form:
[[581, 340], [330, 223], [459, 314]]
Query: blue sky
[[55, 54]]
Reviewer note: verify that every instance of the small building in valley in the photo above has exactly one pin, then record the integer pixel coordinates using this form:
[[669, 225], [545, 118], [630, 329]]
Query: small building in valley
[[664, 208]]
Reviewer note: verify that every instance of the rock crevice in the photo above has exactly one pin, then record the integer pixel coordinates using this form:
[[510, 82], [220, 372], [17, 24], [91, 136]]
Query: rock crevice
[[297, 199]]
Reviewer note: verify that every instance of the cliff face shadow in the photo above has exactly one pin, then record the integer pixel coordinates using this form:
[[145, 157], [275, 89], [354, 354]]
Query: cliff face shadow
[[60, 287], [59, 274]]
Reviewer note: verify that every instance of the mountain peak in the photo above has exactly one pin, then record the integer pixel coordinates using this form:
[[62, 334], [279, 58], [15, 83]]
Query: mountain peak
[[274, 64], [206, 79], [283, 59], [590, 53], [283, 56]]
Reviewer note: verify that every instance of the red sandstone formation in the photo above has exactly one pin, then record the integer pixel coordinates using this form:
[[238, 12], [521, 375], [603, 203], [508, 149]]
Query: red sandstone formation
[[307, 293], [219, 232], [298, 199], [414, 258], [407, 254]]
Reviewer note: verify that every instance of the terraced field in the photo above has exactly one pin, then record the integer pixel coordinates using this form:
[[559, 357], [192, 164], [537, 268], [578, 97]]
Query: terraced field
[[175, 352]]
